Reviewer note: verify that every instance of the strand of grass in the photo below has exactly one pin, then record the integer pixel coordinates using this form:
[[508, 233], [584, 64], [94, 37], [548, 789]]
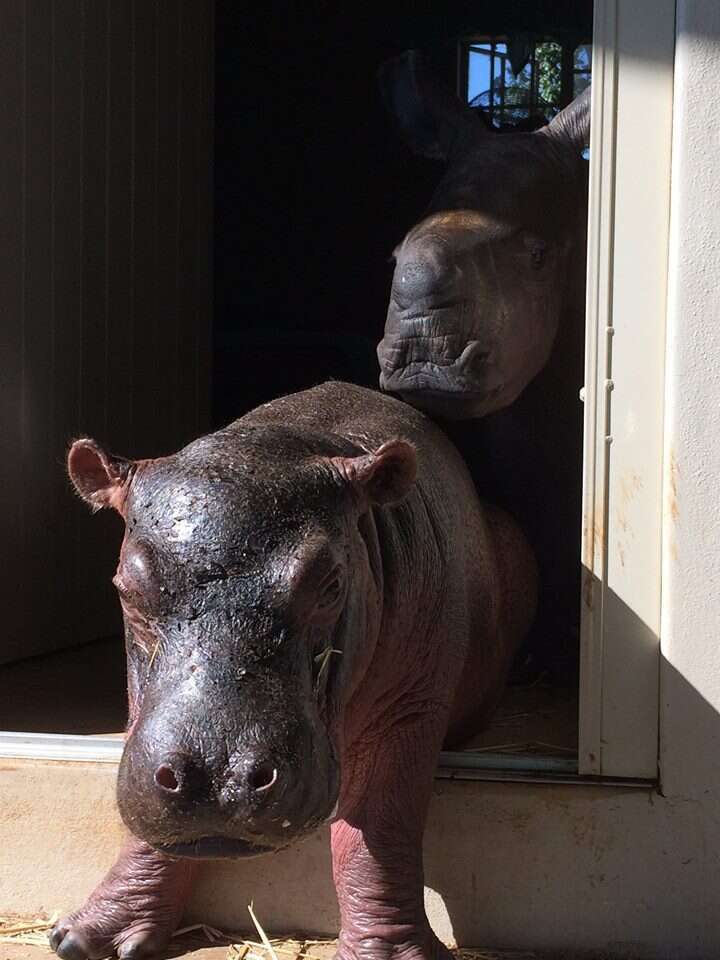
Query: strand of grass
[[24, 928], [323, 658], [511, 718], [285, 951], [528, 746], [554, 746], [263, 936], [212, 933], [237, 951]]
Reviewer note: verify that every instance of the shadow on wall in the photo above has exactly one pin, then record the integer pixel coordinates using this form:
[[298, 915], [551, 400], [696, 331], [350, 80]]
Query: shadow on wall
[[543, 867]]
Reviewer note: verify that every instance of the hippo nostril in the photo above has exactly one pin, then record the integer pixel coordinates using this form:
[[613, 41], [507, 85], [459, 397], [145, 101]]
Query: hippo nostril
[[166, 779], [262, 777]]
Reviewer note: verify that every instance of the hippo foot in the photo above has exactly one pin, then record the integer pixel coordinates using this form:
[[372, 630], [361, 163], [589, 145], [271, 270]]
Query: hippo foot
[[389, 944], [131, 914]]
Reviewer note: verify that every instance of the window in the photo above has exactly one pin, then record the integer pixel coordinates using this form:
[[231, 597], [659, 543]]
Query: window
[[522, 82]]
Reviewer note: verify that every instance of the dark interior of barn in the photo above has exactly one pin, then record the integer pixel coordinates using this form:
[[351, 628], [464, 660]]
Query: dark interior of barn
[[314, 188]]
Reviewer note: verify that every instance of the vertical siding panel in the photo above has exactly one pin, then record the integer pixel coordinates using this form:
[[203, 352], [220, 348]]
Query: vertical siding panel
[[67, 124], [98, 535], [39, 553], [195, 152], [147, 347], [188, 213], [95, 58], [12, 501], [204, 190], [120, 377], [104, 280], [166, 239]]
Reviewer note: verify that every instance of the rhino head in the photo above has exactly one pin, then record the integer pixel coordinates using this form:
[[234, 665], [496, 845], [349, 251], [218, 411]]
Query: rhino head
[[480, 283]]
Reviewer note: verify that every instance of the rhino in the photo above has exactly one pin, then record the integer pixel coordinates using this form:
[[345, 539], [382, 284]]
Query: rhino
[[483, 282], [485, 322]]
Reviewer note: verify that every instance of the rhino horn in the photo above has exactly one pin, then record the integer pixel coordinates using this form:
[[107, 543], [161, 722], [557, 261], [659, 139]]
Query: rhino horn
[[573, 123], [430, 116]]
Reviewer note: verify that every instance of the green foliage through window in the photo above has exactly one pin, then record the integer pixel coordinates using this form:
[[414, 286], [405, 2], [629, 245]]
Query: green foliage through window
[[522, 82]]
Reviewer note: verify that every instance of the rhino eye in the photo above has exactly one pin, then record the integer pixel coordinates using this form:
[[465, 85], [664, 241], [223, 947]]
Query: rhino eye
[[537, 250]]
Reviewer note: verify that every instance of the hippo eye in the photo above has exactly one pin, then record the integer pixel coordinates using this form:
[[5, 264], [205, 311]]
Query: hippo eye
[[329, 594], [120, 586], [132, 597], [138, 579]]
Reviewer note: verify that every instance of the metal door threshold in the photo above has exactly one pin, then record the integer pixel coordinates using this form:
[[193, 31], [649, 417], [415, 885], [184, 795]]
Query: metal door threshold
[[524, 768], [59, 746]]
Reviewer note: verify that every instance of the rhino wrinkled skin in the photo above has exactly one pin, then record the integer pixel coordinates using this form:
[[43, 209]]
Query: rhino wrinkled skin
[[315, 600]]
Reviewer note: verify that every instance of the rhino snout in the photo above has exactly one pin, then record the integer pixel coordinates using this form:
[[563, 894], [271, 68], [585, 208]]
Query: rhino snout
[[417, 280], [408, 356]]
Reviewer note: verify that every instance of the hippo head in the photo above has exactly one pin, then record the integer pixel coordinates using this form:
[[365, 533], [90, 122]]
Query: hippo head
[[251, 593], [479, 283]]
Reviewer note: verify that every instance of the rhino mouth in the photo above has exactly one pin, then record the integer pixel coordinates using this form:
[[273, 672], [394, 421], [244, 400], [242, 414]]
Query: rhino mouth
[[215, 848]]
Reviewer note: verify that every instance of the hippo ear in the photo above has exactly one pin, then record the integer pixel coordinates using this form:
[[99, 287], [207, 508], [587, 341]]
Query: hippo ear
[[573, 123], [99, 478], [384, 476], [430, 116]]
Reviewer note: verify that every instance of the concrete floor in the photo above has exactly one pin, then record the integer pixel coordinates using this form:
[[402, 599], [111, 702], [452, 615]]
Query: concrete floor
[[11, 951], [318, 951]]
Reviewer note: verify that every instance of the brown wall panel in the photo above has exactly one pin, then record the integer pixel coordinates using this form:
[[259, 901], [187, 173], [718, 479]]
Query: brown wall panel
[[12, 232], [105, 290]]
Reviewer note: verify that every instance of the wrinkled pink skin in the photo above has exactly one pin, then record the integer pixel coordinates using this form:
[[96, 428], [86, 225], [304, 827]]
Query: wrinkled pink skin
[[133, 912], [457, 599]]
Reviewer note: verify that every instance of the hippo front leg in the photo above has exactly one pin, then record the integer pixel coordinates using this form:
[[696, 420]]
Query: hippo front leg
[[377, 849], [132, 912]]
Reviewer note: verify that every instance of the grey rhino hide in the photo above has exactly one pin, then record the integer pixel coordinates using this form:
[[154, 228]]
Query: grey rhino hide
[[486, 320], [484, 281]]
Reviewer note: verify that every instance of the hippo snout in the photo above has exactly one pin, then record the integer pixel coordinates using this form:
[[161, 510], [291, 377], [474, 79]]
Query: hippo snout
[[228, 789]]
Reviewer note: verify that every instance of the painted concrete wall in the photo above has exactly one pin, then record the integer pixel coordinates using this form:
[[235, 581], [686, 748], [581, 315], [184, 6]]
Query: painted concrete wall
[[622, 872], [690, 741]]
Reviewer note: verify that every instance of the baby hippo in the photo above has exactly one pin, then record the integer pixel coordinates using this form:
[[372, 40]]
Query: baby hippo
[[314, 602]]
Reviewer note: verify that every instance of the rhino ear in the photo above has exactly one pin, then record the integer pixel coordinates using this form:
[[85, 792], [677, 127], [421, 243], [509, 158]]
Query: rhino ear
[[384, 476], [573, 123], [430, 116], [99, 478]]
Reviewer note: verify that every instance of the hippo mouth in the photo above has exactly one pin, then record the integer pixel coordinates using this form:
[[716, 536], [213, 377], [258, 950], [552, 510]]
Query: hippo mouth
[[215, 848]]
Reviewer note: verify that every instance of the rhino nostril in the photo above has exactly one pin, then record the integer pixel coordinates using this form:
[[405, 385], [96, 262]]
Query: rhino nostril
[[166, 779], [262, 777], [475, 359]]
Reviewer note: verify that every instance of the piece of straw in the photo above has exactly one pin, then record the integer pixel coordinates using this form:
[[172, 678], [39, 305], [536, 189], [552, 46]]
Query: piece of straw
[[263, 936], [212, 933]]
